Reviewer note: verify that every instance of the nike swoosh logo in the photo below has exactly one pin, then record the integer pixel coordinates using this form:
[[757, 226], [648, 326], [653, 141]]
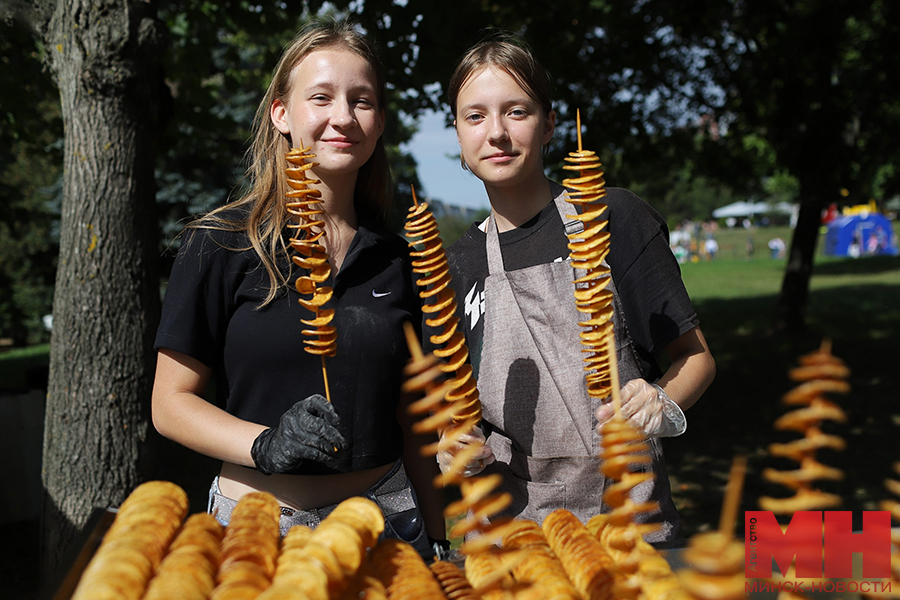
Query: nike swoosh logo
[[379, 294]]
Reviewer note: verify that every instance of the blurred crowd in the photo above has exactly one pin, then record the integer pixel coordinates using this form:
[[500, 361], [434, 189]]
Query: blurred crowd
[[694, 240]]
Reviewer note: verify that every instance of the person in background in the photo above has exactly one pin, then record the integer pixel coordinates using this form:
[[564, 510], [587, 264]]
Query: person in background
[[231, 312], [776, 247], [519, 315]]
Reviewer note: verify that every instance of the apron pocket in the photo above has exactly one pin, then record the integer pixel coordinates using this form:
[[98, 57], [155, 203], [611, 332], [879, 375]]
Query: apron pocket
[[532, 500]]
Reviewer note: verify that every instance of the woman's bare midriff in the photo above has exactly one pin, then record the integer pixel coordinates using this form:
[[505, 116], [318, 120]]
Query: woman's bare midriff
[[300, 492]]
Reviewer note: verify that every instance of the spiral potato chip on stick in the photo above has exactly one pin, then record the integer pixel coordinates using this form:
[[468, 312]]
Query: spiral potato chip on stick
[[716, 559], [588, 248], [429, 260], [623, 446], [461, 409], [311, 255], [821, 373], [478, 504], [893, 507]]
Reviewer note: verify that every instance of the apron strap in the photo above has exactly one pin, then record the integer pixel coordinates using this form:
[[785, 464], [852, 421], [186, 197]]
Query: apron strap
[[494, 254]]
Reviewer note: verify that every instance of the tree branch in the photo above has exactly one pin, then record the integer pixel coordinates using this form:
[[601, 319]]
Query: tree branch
[[31, 16]]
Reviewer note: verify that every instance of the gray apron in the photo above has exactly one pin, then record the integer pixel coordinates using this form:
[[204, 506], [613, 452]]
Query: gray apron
[[533, 393]]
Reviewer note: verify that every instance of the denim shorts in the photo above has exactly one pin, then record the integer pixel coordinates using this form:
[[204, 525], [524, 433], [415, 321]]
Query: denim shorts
[[393, 493]]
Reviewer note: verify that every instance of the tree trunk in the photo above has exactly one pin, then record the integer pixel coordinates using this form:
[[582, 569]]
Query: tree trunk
[[104, 56], [790, 309]]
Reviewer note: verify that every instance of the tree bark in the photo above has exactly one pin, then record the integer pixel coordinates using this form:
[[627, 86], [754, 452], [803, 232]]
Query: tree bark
[[104, 57], [790, 309]]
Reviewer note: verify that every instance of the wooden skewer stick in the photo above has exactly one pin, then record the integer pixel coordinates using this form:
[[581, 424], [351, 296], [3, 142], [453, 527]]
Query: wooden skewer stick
[[325, 378], [414, 348], [415, 200], [578, 126], [732, 496], [614, 373]]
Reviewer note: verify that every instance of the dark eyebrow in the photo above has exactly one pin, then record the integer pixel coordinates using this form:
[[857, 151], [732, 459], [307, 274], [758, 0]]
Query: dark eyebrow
[[525, 100]]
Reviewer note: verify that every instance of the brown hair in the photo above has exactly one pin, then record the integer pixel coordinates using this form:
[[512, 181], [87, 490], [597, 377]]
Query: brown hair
[[264, 203], [510, 53]]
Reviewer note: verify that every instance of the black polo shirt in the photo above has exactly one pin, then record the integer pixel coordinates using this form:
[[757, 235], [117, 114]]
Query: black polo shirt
[[211, 313]]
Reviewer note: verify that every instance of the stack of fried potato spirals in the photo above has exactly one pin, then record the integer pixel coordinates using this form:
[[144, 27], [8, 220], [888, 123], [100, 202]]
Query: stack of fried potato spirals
[[135, 543], [249, 548], [821, 373], [588, 249], [403, 573], [311, 254], [323, 563], [487, 574], [587, 563], [149, 547], [453, 581], [541, 568], [429, 260], [189, 569]]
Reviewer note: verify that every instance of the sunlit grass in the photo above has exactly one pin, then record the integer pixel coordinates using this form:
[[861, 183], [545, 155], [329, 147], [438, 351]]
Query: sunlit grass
[[853, 303]]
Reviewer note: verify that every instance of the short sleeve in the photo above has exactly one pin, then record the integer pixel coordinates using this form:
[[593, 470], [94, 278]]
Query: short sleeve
[[196, 303], [648, 278]]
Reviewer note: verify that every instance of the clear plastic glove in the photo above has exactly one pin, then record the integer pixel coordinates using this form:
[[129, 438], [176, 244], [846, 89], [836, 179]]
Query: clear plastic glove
[[308, 432], [648, 408], [479, 454]]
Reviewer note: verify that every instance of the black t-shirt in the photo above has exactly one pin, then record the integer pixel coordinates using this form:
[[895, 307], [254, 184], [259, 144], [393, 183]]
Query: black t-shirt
[[646, 274], [211, 313]]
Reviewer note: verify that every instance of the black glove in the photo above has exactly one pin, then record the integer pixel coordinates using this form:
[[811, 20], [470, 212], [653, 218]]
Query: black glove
[[308, 431]]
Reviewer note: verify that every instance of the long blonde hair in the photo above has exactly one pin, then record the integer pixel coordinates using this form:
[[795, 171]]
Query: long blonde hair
[[264, 216]]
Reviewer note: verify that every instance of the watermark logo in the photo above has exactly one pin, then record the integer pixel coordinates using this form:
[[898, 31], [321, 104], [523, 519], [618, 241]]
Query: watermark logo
[[822, 542]]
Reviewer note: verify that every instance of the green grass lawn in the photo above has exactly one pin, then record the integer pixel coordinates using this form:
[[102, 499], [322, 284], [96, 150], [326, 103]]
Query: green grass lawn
[[853, 303]]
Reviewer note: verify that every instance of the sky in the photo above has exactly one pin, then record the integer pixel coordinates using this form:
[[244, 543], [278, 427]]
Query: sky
[[435, 150]]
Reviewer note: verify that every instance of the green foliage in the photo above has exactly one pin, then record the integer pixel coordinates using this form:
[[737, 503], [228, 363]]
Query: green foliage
[[692, 105], [30, 175], [808, 79], [453, 226], [686, 197], [218, 68]]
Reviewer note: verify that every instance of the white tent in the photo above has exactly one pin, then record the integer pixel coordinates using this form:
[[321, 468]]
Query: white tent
[[749, 209], [740, 209]]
